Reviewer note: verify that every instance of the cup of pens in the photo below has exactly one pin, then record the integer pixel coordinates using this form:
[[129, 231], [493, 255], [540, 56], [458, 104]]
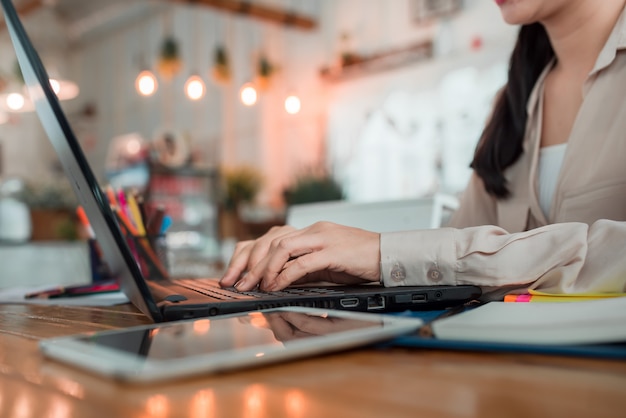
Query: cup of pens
[[151, 254], [144, 232]]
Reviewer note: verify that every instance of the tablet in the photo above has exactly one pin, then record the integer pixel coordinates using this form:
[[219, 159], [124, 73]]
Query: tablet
[[158, 352]]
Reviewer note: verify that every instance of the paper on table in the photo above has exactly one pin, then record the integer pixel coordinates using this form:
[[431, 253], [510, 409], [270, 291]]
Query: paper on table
[[16, 295], [587, 322]]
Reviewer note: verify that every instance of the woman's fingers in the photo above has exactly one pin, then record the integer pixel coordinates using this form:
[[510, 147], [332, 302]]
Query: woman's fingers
[[285, 255], [343, 253], [248, 254], [238, 263]]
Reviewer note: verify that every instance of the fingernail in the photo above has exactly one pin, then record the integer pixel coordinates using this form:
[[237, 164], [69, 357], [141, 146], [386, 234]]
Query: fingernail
[[269, 288], [239, 283]]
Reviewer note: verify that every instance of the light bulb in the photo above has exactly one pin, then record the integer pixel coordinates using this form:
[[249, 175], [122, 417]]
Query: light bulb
[[248, 94], [194, 87], [15, 101], [64, 89], [56, 86], [146, 83], [292, 104], [133, 146]]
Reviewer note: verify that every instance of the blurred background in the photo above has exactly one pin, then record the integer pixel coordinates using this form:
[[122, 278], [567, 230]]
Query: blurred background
[[225, 112]]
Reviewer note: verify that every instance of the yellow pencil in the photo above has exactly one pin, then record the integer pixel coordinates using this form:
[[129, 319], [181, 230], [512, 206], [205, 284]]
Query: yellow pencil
[[136, 214]]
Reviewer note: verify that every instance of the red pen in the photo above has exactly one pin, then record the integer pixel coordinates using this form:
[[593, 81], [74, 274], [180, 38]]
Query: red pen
[[72, 291]]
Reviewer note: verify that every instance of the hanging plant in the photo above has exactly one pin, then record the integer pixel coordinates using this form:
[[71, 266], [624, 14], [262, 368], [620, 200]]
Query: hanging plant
[[169, 63], [221, 66], [265, 71]]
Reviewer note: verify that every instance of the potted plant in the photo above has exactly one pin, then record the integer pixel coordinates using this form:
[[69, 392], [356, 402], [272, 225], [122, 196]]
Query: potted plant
[[240, 185], [265, 71], [313, 186], [169, 63], [52, 207], [221, 66]]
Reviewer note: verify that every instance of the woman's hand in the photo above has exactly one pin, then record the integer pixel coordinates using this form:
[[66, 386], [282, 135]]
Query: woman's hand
[[321, 252]]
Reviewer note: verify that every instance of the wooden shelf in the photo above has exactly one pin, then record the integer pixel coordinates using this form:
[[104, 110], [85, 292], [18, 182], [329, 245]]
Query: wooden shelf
[[382, 61]]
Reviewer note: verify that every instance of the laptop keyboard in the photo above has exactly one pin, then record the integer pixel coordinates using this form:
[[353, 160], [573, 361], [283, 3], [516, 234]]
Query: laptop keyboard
[[208, 288]]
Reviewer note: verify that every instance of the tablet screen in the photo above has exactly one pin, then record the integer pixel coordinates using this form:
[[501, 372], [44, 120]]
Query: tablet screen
[[209, 336]]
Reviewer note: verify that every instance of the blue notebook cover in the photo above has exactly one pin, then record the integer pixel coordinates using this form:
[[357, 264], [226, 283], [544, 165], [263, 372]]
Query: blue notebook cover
[[615, 351]]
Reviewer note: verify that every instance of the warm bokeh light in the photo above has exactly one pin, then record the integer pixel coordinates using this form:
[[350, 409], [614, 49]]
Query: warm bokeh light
[[201, 326], [146, 83], [133, 146], [203, 404], [64, 89], [292, 104], [254, 401], [248, 94], [15, 101], [56, 86], [295, 403], [258, 320], [158, 406], [4, 118], [194, 87]]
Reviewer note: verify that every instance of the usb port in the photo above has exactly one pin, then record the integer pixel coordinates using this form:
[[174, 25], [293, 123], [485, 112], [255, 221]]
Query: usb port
[[418, 297], [375, 302], [349, 302]]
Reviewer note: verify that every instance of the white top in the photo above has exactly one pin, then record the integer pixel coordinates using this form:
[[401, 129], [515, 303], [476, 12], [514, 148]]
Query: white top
[[550, 161]]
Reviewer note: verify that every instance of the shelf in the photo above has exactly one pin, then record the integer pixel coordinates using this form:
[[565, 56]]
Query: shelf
[[360, 65], [185, 171]]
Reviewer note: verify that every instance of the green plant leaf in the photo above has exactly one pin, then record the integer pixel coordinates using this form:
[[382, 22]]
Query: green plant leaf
[[169, 49]]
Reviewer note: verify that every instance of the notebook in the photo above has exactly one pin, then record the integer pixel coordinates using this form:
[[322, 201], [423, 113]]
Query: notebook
[[164, 298], [591, 328]]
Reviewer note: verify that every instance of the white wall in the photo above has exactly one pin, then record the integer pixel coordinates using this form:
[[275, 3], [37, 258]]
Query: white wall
[[225, 131]]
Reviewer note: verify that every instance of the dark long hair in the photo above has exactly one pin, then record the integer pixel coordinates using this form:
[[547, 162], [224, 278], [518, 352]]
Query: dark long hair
[[500, 144]]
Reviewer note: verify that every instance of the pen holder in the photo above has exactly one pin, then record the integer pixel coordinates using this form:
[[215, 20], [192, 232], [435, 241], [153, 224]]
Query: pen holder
[[151, 254]]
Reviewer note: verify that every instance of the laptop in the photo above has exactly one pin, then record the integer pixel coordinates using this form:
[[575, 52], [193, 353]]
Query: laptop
[[164, 298]]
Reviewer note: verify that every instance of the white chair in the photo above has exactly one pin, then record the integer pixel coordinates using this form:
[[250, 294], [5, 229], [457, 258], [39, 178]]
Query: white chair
[[383, 216]]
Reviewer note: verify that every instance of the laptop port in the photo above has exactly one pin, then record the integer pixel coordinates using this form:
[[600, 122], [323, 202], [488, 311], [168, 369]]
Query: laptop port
[[419, 297], [349, 302], [375, 302]]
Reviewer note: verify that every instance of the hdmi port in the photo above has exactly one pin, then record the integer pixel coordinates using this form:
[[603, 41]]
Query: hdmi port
[[418, 297], [349, 302]]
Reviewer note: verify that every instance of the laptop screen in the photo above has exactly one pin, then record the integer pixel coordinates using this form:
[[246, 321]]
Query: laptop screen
[[77, 169]]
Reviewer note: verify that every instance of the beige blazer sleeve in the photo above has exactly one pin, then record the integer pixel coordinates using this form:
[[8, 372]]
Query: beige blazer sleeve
[[564, 258]]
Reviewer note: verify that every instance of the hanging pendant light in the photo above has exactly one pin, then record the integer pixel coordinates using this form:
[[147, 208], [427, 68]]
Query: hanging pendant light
[[64, 89], [194, 87], [248, 94], [146, 83], [293, 104], [16, 99]]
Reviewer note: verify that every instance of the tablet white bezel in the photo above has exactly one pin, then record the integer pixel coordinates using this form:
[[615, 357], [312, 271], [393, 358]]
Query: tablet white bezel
[[129, 367]]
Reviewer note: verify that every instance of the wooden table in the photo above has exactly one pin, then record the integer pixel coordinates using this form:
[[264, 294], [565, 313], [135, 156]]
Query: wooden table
[[361, 383]]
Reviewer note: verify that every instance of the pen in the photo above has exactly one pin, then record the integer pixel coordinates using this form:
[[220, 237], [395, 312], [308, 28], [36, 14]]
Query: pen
[[111, 196], [82, 216], [142, 206], [70, 291], [135, 214], [88, 290]]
